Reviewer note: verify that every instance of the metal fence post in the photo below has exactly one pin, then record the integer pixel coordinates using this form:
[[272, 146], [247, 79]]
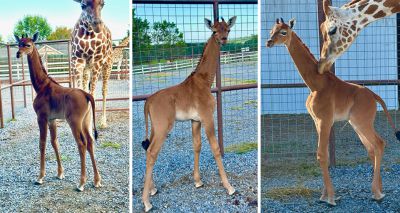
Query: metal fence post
[[398, 56], [1, 108], [219, 91], [11, 81], [321, 19]]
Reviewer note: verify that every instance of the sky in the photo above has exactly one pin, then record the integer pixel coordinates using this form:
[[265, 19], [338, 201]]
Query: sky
[[115, 14]]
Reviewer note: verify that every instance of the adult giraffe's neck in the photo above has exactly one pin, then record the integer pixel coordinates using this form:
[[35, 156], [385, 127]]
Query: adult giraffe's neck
[[372, 10], [37, 71], [305, 62], [207, 67]]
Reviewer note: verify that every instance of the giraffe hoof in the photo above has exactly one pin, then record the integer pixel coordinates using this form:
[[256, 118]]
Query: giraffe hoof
[[379, 197], [103, 123], [98, 185], [80, 188], [231, 191], [198, 184], [39, 181], [61, 176], [153, 191], [148, 207]]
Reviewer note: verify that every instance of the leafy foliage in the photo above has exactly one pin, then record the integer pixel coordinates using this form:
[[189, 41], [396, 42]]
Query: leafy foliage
[[31, 24], [167, 34], [140, 33], [60, 33]]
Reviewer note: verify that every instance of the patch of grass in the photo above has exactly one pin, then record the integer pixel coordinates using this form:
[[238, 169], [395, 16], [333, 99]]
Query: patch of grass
[[352, 163], [159, 75], [242, 147], [285, 193], [251, 102], [237, 108], [110, 144], [250, 81], [310, 170]]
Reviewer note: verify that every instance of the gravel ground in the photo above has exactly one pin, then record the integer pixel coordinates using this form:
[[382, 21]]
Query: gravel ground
[[19, 167], [289, 141], [352, 183], [174, 167]]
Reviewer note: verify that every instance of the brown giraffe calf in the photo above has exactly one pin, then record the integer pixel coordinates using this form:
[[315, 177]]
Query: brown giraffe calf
[[331, 100], [189, 100], [56, 102]]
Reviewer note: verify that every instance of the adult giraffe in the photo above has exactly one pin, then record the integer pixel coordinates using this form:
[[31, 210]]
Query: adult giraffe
[[342, 25], [190, 100], [331, 100], [92, 50]]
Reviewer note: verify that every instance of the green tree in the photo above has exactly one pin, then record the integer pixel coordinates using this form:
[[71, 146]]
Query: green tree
[[140, 34], [60, 33], [167, 34], [31, 24], [1, 38]]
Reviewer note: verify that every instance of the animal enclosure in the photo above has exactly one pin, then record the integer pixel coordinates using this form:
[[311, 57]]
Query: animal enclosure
[[288, 133], [16, 91], [157, 65]]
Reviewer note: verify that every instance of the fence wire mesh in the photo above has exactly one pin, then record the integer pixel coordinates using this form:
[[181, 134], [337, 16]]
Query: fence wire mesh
[[160, 65], [288, 133]]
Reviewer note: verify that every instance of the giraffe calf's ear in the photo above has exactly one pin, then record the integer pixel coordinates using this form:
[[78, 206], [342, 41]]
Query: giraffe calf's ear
[[231, 21], [292, 22], [16, 38], [208, 24], [35, 37]]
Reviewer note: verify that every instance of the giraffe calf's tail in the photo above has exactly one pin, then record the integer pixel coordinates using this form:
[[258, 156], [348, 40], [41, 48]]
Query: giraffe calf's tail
[[146, 142], [382, 103]]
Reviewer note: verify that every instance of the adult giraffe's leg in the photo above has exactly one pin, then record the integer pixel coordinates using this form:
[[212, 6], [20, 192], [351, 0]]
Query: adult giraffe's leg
[[324, 129], [54, 143], [208, 121], [196, 134], [106, 75], [78, 66], [42, 122]]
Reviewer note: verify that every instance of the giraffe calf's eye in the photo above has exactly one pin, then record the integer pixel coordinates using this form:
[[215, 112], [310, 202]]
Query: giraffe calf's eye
[[283, 33]]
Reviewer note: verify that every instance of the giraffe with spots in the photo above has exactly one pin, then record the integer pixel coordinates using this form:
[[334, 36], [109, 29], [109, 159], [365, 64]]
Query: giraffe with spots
[[92, 50], [118, 54], [343, 25]]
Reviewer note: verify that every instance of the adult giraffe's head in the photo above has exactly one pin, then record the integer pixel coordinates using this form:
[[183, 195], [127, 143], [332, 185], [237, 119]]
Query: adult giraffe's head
[[281, 33], [221, 29], [26, 45], [91, 13]]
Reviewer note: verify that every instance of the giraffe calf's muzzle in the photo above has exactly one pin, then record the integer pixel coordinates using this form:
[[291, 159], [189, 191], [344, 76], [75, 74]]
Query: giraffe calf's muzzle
[[270, 43]]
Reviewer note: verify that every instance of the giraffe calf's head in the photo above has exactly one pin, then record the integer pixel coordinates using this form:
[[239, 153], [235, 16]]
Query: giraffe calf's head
[[281, 33], [221, 29], [25, 45], [91, 12]]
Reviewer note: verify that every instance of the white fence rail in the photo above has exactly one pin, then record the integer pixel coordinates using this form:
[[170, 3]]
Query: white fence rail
[[170, 66], [51, 67]]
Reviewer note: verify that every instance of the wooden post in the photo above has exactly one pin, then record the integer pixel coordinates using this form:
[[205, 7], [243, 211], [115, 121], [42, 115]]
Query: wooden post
[[11, 81], [321, 19]]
